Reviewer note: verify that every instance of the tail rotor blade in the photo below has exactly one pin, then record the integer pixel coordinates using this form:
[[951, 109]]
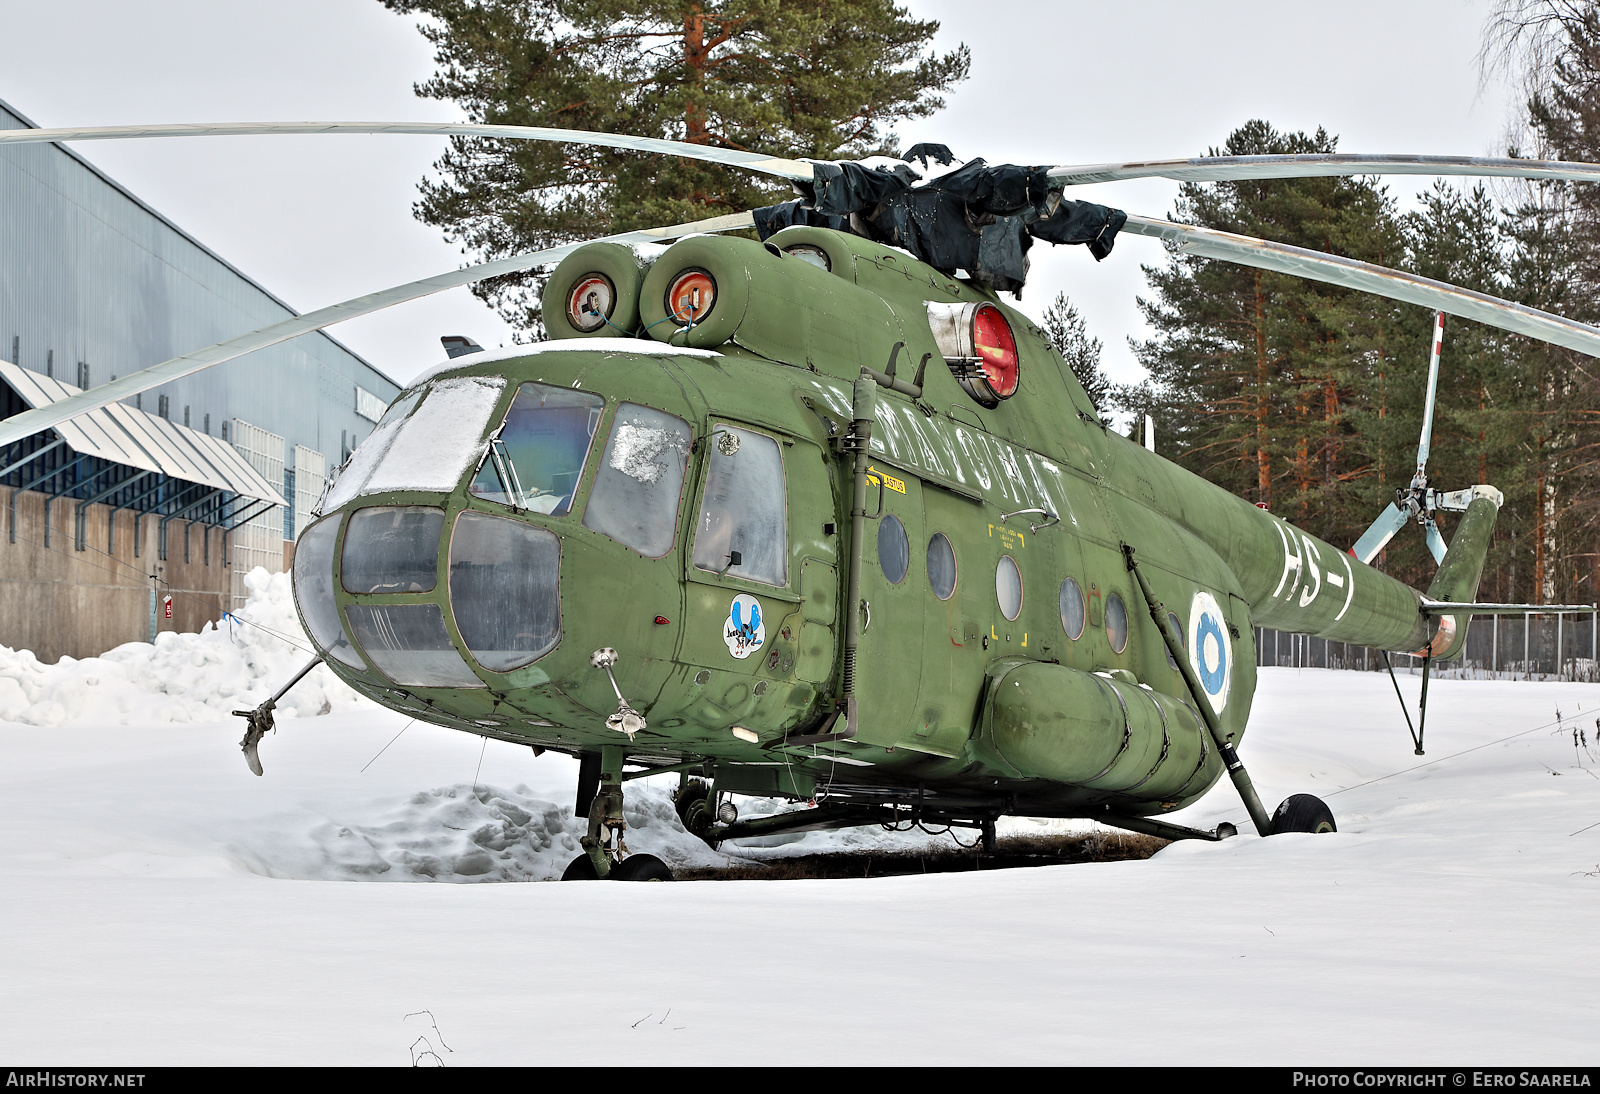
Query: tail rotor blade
[[1435, 541], [1378, 535], [1426, 442]]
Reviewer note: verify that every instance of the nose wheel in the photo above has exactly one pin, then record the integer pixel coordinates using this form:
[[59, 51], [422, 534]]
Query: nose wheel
[[605, 853]]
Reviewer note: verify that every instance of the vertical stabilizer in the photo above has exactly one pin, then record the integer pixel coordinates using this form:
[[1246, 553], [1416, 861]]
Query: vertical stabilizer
[[1462, 568]]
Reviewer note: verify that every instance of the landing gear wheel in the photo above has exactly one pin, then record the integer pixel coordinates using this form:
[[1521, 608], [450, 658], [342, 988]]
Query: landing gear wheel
[[1303, 813], [693, 803], [641, 868], [580, 869]]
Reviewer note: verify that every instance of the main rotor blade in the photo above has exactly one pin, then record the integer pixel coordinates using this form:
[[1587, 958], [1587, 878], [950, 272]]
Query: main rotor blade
[[30, 422], [1380, 280], [1238, 168], [752, 161]]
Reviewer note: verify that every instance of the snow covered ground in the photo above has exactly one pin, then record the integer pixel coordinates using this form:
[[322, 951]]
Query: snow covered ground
[[160, 905]]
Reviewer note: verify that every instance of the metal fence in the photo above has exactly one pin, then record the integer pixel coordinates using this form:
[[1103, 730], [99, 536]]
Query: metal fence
[[1499, 647]]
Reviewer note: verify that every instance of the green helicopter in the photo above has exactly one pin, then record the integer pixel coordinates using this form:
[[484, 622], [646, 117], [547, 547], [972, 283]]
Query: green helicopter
[[820, 517]]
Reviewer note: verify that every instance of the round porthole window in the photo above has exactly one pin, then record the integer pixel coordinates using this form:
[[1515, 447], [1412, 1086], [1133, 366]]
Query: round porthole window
[[1073, 615], [1116, 623], [1008, 587], [894, 549], [941, 566]]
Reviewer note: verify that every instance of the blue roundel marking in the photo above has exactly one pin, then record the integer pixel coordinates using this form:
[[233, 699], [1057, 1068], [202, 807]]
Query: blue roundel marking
[[1213, 679]]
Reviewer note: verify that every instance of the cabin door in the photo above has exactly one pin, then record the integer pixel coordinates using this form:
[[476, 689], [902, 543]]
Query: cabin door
[[893, 601]]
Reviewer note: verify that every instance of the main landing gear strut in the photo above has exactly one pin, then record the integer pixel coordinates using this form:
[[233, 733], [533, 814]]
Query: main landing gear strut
[[605, 854]]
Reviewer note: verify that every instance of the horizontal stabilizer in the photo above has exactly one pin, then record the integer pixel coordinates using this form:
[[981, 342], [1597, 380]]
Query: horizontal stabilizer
[[1440, 607]]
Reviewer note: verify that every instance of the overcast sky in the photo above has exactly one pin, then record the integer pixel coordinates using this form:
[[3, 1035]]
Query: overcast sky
[[319, 219]]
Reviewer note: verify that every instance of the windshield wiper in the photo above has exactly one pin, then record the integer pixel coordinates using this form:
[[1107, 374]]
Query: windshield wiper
[[505, 470]]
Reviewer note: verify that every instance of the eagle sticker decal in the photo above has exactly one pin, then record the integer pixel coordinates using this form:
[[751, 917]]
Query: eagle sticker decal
[[743, 630]]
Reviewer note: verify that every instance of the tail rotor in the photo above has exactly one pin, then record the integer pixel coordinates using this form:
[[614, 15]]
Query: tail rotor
[[1417, 502]]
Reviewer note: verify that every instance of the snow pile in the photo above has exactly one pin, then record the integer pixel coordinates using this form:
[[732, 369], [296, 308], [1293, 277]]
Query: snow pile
[[182, 677], [468, 833]]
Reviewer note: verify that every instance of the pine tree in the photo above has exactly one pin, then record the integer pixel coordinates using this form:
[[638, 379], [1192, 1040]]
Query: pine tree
[[1257, 371], [817, 78], [1064, 327]]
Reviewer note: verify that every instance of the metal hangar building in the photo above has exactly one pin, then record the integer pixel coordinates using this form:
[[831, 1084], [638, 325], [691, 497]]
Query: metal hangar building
[[145, 515]]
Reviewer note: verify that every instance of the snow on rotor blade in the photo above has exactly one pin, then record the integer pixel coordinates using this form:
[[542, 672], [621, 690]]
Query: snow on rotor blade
[[1238, 168], [29, 422], [1379, 280], [751, 161]]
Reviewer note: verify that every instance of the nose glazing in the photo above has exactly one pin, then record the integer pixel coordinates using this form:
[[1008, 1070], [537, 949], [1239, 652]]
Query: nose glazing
[[501, 589]]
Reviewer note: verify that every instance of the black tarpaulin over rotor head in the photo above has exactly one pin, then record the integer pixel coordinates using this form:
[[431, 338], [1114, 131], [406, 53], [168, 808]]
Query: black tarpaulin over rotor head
[[978, 218]]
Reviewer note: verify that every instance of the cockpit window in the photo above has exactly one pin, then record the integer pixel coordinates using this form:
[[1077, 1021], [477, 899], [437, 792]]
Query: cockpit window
[[410, 644], [392, 549], [536, 457], [437, 442], [505, 589], [349, 479], [743, 527], [635, 496], [313, 591]]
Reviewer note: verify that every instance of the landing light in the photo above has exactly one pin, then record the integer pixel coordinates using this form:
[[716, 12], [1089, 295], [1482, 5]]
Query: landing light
[[980, 349], [591, 301], [691, 296]]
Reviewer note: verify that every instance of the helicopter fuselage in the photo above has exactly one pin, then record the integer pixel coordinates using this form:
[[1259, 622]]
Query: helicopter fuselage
[[684, 497]]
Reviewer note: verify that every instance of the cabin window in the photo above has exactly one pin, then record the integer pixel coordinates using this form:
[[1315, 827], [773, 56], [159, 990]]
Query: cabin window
[[1008, 587], [1116, 623], [392, 549], [409, 643], [313, 591], [505, 579], [894, 549], [535, 458], [941, 566], [743, 527], [1177, 625], [1073, 613], [636, 492]]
